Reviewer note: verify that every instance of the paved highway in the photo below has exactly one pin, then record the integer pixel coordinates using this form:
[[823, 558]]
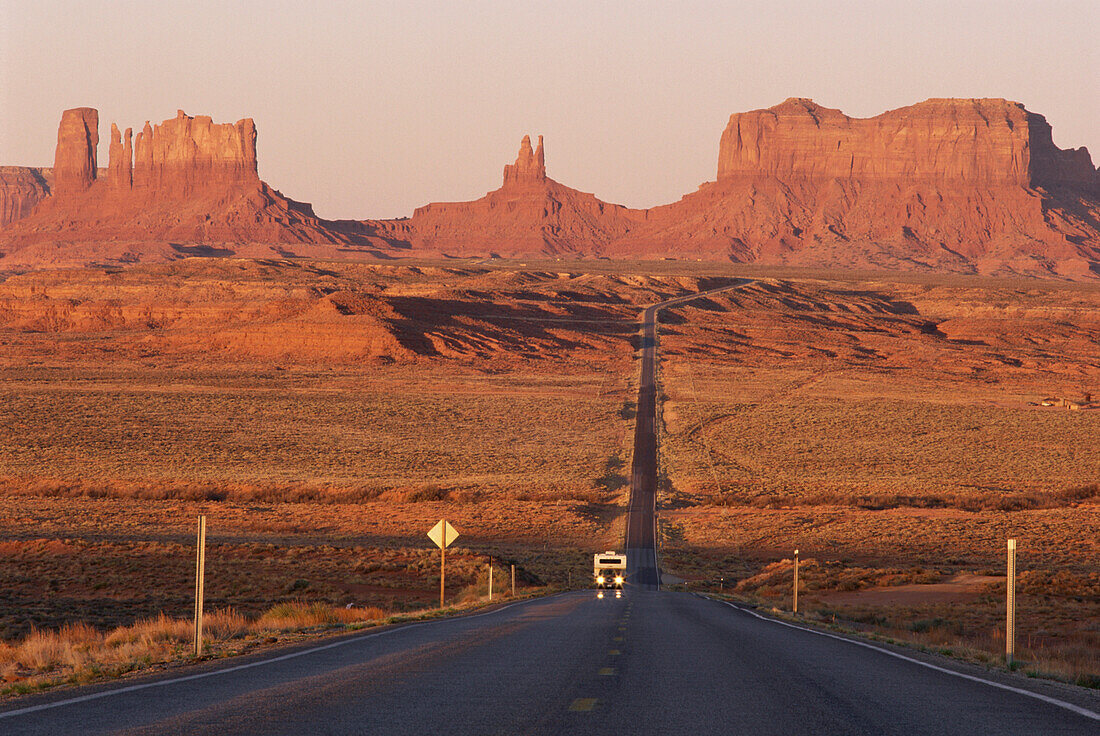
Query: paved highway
[[641, 523], [651, 662]]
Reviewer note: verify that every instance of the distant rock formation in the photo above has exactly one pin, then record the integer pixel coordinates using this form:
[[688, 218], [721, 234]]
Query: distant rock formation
[[961, 185], [21, 188], [977, 142], [530, 214], [964, 185], [969, 185], [187, 180]]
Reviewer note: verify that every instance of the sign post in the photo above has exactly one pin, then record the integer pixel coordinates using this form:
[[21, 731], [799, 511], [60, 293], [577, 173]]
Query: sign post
[[442, 534], [200, 575], [1010, 609]]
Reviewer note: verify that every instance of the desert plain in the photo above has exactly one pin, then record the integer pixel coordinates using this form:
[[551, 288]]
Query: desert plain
[[895, 428], [907, 379]]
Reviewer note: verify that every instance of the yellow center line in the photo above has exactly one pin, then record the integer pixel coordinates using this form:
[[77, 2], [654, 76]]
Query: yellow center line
[[618, 638], [606, 671], [581, 705], [614, 652]]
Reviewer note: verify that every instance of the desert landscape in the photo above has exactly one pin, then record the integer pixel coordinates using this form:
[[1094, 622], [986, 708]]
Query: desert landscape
[[908, 378], [324, 415]]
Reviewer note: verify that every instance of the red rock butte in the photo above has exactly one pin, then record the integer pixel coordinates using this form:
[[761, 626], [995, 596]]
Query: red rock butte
[[530, 214], [959, 185], [981, 142], [187, 180], [964, 185]]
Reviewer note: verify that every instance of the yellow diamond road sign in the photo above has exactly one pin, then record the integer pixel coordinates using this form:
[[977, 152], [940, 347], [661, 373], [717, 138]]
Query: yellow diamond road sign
[[436, 534]]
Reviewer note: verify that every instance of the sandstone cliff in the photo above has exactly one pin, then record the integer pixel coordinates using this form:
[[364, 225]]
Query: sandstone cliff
[[977, 142], [21, 188], [530, 214], [188, 154]]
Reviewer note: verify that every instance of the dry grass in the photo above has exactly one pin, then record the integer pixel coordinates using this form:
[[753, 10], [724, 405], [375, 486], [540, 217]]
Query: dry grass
[[892, 432], [78, 653], [202, 442], [812, 448], [300, 615]]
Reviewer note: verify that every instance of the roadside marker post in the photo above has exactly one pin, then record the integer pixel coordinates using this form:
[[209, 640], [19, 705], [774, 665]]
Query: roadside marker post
[[794, 607], [200, 575], [513, 581], [442, 534], [490, 579], [1010, 608]]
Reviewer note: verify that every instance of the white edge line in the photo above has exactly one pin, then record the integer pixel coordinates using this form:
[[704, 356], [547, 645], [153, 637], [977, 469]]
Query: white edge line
[[1018, 690], [236, 668]]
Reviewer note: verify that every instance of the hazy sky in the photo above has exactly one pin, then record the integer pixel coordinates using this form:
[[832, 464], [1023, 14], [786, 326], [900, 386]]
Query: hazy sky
[[369, 109]]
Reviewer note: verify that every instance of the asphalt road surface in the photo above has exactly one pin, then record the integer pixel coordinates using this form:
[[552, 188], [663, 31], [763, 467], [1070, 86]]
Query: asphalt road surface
[[649, 662], [641, 522]]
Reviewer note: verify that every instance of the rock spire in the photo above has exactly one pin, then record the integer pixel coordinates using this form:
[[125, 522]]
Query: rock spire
[[530, 165], [121, 160]]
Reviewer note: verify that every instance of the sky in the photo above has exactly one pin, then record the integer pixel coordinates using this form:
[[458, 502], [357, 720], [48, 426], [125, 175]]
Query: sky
[[371, 109]]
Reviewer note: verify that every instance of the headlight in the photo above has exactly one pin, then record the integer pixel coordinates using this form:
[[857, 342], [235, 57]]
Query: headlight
[[600, 594], [599, 580], [618, 580]]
